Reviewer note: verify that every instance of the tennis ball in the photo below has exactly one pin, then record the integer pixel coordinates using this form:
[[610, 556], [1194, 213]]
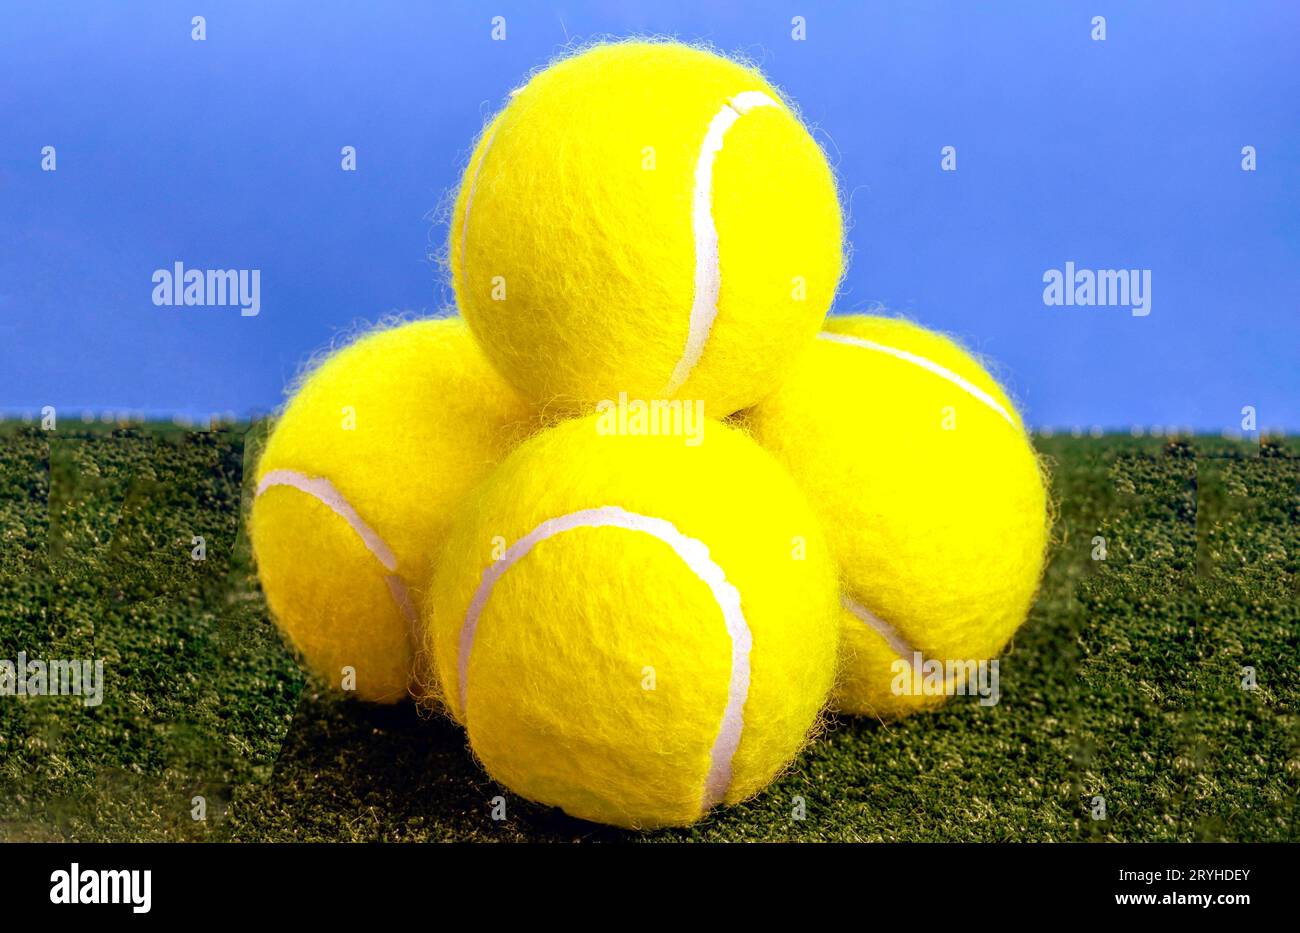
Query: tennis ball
[[356, 487], [647, 218], [634, 629], [932, 497]]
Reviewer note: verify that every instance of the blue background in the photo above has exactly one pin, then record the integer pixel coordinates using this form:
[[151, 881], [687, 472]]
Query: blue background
[[225, 154]]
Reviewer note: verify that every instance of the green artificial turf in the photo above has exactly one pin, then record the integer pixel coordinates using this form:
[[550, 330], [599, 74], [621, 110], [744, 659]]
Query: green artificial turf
[[1126, 683]]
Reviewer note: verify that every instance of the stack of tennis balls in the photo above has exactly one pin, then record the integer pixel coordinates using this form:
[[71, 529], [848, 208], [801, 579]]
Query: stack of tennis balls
[[635, 625]]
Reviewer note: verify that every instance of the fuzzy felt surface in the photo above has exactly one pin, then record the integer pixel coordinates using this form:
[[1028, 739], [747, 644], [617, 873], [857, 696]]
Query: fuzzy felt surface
[[933, 499], [599, 669], [574, 241], [402, 424]]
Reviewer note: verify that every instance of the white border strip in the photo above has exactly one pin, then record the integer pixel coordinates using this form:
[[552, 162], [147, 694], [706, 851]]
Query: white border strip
[[964, 384], [693, 553], [708, 274]]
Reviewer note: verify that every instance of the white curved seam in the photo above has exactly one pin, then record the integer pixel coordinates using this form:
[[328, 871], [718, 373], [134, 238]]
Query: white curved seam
[[469, 201], [896, 641], [693, 553], [321, 489], [406, 606], [906, 652], [960, 382], [708, 275]]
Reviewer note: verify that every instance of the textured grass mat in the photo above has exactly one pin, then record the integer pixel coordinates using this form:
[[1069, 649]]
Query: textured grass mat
[[1153, 695]]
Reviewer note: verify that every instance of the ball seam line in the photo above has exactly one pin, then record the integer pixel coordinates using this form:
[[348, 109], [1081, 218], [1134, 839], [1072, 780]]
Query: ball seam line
[[325, 492], [897, 642], [322, 490], [944, 373], [401, 594], [708, 273], [907, 653], [695, 554], [469, 202]]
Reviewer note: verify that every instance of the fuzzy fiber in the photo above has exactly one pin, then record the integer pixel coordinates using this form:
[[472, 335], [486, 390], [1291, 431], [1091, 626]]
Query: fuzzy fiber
[[597, 252], [431, 420], [939, 533], [556, 703]]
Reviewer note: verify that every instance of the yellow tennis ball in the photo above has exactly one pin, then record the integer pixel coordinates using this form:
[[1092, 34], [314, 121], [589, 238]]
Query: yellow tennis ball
[[647, 218], [932, 497], [356, 487], [633, 628]]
